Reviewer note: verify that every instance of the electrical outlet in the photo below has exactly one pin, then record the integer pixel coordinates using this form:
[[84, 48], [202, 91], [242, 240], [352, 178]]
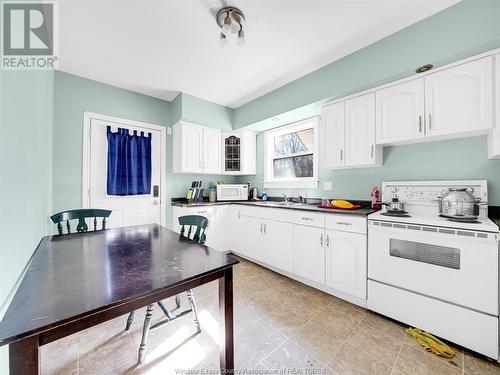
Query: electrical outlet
[[328, 185]]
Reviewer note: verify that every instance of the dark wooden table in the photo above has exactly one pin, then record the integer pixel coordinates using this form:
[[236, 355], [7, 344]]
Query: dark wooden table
[[79, 280]]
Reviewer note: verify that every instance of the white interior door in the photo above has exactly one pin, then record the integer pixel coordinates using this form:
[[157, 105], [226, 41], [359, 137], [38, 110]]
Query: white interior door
[[126, 210]]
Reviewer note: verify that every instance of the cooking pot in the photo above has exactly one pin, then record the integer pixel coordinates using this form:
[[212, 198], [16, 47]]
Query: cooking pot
[[457, 202], [395, 205]]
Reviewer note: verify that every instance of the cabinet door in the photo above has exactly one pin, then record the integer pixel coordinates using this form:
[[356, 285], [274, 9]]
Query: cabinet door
[[192, 145], [211, 151], [309, 253], [331, 135], [247, 236], [360, 131], [278, 244], [494, 136], [400, 112], [346, 262], [459, 100]]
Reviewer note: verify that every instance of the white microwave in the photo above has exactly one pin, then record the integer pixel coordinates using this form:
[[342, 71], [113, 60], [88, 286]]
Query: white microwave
[[232, 192]]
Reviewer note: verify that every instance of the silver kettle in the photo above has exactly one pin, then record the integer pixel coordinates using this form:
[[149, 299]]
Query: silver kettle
[[459, 202]]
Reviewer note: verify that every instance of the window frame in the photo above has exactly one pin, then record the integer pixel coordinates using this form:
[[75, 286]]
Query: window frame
[[297, 182]]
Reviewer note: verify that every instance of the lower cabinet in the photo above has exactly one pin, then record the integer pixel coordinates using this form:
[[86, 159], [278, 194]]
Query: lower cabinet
[[278, 244], [309, 253], [346, 258]]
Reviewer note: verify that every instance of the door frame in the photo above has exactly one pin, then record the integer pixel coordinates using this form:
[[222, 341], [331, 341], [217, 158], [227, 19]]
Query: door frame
[[87, 117]]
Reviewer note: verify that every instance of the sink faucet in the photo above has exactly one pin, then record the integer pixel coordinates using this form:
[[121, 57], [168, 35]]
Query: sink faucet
[[301, 199], [286, 198]]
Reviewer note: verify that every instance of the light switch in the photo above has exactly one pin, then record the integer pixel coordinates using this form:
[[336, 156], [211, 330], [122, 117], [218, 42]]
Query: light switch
[[328, 185]]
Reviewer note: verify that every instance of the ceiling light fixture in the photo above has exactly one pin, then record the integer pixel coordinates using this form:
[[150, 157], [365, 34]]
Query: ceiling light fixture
[[231, 21]]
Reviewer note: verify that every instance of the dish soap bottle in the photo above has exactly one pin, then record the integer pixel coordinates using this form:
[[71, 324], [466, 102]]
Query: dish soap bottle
[[264, 196]]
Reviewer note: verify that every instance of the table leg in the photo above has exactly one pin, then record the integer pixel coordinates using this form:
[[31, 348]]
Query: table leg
[[226, 322], [24, 357]]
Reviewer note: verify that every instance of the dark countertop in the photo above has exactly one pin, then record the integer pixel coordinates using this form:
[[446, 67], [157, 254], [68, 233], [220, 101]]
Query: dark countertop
[[312, 207]]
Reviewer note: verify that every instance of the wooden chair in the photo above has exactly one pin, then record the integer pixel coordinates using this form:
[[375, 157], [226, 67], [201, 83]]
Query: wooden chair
[[81, 215], [200, 224]]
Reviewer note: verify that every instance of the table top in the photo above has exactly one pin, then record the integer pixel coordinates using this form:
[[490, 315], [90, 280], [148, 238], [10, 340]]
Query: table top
[[76, 274]]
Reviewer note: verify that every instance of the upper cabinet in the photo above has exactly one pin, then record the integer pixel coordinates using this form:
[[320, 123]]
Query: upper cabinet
[[347, 134], [202, 150], [331, 135], [400, 112], [360, 149], [452, 102], [459, 100], [196, 149], [494, 136], [239, 152]]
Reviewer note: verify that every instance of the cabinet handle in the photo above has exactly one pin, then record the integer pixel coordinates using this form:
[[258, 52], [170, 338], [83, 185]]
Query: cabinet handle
[[420, 124], [239, 214], [260, 228], [341, 155], [430, 121], [265, 228], [202, 212], [328, 240], [371, 152], [307, 218], [321, 239], [343, 223]]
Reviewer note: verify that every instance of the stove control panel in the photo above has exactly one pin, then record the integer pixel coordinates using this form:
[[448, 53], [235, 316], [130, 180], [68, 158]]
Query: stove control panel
[[424, 192]]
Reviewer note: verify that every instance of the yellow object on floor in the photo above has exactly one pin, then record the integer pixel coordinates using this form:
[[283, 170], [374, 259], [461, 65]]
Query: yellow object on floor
[[431, 343]]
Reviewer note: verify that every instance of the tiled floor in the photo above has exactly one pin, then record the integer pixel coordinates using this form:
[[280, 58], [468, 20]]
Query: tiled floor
[[279, 324]]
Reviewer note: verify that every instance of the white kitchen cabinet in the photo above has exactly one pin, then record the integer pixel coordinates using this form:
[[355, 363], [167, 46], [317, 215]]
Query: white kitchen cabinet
[[309, 253], [400, 114], [278, 244], [494, 136], [248, 237], [346, 259], [211, 151], [332, 136], [360, 148], [347, 134], [217, 222], [239, 152], [196, 149], [459, 100]]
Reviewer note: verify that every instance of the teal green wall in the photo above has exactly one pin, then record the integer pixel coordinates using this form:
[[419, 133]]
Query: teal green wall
[[74, 95], [465, 29], [457, 159], [26, 114]]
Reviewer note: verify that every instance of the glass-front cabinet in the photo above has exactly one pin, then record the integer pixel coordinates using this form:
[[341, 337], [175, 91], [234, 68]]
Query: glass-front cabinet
[[232, 153], [239, 152]]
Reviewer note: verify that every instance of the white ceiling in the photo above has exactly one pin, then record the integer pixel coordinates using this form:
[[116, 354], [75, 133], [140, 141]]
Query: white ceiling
[[163, 47]]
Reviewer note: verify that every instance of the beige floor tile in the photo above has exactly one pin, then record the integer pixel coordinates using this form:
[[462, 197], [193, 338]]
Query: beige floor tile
[[319, 296], [290, 356], [280, 293], [376, 342], [60, 357], [285, 320], [456, 361], [391, 327], [260, 305], [243, 317], [260, 339], [412, 361], [350, 360], [347, 308], [304, 306], [342, 325], [475, 364], [319, 340]]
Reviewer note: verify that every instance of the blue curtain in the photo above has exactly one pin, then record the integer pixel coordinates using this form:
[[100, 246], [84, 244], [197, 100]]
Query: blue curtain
[[129, 163]]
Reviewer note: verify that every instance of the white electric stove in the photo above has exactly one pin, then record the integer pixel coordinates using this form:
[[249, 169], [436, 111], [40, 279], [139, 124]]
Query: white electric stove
[[434, 273]]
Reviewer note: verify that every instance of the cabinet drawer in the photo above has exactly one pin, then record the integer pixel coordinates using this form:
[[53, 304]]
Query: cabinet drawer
[[346, 223], [311, 219]]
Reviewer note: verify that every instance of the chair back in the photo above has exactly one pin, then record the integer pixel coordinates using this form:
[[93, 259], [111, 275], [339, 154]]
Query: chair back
[[199, 222], [81, 215]]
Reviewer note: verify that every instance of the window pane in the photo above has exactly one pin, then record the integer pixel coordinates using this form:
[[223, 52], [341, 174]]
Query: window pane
[[293, 143], [297, 166]]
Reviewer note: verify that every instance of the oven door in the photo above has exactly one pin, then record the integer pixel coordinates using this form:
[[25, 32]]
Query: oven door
[[456, 266]]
